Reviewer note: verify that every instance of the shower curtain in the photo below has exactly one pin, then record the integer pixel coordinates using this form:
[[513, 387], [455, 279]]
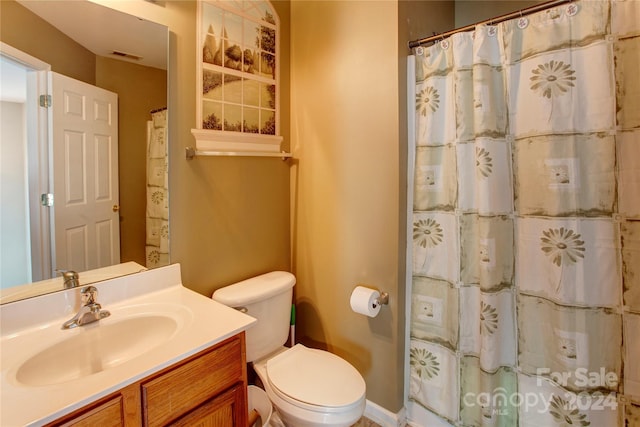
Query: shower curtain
[[157, 245], [525, 222]]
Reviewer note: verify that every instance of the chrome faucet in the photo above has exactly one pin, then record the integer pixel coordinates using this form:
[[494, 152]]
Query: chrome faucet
[[70, 279], [90, 311]]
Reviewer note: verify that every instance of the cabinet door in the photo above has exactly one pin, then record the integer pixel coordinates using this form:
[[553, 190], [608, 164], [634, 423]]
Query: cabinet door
[[119, 409], [224, 410], [108, 414], [175, 392]]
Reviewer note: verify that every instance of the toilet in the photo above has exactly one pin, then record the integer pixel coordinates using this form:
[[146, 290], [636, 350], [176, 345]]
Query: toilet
[[308, 387]]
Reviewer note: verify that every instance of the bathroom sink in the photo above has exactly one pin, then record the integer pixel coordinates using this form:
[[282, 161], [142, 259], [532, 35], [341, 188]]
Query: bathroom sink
[[47, 372], [100, 346]]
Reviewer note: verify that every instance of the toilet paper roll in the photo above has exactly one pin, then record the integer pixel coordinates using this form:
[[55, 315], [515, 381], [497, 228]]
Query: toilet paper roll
[[364, 301]]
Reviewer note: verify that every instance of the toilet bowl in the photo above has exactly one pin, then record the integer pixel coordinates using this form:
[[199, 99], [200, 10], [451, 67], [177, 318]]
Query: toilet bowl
[[312, 387], [308, 387]]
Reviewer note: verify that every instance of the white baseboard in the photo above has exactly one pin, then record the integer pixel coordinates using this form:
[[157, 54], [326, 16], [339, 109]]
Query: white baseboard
[[385, 418]]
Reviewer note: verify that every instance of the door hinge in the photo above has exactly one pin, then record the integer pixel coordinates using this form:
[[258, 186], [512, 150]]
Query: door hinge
[[45, 101], [46, 199]]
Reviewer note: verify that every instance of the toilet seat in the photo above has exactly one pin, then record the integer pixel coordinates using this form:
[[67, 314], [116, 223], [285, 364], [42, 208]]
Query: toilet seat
[[315, 380]]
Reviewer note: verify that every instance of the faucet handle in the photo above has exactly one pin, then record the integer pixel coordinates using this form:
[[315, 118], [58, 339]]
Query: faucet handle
[[68, 274], [89, 295], [69, 278]]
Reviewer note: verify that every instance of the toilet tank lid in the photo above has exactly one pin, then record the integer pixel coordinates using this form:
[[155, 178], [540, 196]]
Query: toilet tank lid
[[255, 289]]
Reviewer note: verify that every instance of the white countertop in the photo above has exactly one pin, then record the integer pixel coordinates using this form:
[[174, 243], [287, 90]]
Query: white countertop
[[32, 325]]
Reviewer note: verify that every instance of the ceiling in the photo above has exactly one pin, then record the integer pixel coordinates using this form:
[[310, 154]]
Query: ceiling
[[103, 30]]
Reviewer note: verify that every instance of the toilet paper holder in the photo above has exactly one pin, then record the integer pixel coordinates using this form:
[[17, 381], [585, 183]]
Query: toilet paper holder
[[367, 300], [383, 299]]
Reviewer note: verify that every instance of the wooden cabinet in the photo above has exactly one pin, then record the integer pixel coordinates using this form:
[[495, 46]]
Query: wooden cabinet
[[222, 410], [209, 388], [107, 414]]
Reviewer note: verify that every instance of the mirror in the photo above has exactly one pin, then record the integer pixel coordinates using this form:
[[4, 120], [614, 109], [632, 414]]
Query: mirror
[[122, 54]]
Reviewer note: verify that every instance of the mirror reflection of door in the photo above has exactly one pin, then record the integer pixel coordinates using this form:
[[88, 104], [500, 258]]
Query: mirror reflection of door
[[25, 251], [112, 50], [85, 175], [79, 128]]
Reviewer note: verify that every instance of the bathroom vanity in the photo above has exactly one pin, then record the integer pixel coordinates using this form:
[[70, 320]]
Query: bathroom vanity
[[165, 356], [207, 388]]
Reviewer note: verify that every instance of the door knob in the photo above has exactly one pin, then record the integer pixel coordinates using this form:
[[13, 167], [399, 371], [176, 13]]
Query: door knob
[[116, 208]]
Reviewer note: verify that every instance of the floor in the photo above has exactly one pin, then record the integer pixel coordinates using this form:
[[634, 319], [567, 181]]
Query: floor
[[365, 422]]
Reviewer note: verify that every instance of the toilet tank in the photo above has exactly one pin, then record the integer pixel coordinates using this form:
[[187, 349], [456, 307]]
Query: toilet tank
[[268, 299]]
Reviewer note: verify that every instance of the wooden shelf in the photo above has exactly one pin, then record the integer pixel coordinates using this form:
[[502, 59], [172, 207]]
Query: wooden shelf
[[192, 152]]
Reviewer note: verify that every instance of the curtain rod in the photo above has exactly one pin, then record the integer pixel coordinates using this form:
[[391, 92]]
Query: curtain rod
[[498, 19]]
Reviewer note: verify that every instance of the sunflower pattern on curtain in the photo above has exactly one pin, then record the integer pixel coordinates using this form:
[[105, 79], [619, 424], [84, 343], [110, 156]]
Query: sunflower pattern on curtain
[[525, 300], [157, 245]]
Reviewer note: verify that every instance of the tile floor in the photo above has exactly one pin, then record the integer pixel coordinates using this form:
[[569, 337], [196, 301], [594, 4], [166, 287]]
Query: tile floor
[[365, 422]]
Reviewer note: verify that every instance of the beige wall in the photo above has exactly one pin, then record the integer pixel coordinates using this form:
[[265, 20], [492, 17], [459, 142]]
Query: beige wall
[[229, 216], [29, 33], [348, 104], [423, 18], [471, 11], [140, 90], [345, 183]]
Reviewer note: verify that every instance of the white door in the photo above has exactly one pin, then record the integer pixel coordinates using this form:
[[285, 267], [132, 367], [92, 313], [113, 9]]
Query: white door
[[85, 175]]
